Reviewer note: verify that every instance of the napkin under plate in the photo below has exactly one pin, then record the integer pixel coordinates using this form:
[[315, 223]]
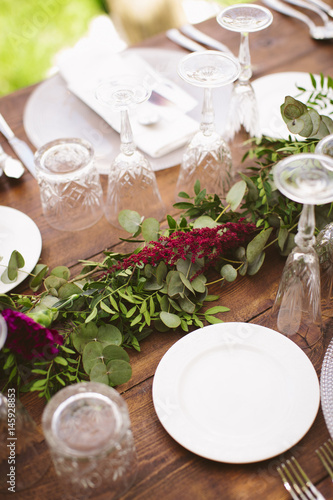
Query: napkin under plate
[[84, 70]]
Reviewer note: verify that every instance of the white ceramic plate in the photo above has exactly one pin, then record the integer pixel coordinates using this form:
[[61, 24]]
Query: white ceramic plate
[[271, 91], [326, 388], [236, 392], [18, 232], [53, 112]]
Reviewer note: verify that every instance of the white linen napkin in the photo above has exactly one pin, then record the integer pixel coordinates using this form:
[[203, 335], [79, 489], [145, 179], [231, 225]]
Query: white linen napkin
[[83, 69]]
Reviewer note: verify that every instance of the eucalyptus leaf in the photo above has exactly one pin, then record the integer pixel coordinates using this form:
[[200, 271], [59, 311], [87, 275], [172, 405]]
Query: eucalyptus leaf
[[198, 283], [39, 272], [92, 354], [109, 334], [84, 334], [256, 264], [119, 372], [67, 290], [204, 221], [16, 262], [170, 320], [228, 272], [129, 220], [99, 373], [236, 194], [175, 284], [150, 229], [61, 272], [256, 246], [115, 352], [186, 304]]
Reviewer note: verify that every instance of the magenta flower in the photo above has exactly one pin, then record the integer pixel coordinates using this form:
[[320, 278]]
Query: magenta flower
[[28, 338]]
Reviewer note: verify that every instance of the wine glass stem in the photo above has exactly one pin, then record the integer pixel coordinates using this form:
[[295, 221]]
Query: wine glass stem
[[207, 121], [244, 59], [127, 145], [306, 226]]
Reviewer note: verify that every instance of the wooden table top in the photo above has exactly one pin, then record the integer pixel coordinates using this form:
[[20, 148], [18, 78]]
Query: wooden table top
[[166, 470]]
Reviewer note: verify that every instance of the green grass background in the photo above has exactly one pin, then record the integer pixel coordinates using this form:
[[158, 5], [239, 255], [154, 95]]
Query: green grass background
[[32, 31]]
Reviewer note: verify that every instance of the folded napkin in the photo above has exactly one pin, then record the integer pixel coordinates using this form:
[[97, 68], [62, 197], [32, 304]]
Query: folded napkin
[[84, 68]]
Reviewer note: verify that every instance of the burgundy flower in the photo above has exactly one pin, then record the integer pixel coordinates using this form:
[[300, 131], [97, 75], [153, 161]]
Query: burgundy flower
[[28, 338], [209, 243]]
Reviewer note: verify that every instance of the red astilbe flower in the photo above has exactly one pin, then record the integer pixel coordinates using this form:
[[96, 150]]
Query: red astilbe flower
[[209, 243], [28, 338]]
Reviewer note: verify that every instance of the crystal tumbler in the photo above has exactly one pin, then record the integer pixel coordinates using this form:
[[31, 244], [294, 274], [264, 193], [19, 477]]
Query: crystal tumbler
[[87, 428], [70, 189]]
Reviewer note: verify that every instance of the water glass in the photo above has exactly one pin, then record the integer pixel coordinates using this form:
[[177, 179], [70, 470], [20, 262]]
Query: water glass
[[70, 189], [87, 428]]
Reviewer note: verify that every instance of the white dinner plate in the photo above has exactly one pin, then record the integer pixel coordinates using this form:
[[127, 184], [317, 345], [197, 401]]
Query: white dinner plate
[[18, 232], [52, 112], [236, 392], [271, 91]]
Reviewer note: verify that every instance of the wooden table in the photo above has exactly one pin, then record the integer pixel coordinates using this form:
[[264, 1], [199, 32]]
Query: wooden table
[[166, 470]]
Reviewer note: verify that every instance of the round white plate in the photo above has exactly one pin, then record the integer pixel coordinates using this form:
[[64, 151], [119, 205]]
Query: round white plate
[[18, 232], [271, 91], [236, 392], [52, 112]]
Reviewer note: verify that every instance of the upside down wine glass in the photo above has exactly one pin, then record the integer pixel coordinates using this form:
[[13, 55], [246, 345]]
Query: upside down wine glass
[[131, 183], [207, 157], [296, 313], [243, 110], [324, 243]]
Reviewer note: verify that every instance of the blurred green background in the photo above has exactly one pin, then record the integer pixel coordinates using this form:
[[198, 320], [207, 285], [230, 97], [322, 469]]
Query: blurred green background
[[32, 31]]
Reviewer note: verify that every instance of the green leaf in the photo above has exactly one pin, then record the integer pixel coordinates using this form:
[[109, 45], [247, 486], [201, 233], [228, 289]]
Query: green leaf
[[99, 373], [175, 284], [186, 304], [256, 246], [129, 220], [16, 261], [236, 194], [67, 290], [255, 265], [204, 221], [216, 309], [60, 361], [198, 283], [170, 320], [109, 334], [39, 272], [115, 352], [228, 272], [119, 372], [150, 229], [83, 335], [213, 320], [92, 354], [61, 272]]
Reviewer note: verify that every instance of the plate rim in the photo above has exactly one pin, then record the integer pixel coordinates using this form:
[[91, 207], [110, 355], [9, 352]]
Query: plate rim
[[222, 455], [22, 274]]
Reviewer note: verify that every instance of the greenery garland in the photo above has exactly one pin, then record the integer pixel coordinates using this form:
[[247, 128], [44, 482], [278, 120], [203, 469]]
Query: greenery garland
[[111, 306]]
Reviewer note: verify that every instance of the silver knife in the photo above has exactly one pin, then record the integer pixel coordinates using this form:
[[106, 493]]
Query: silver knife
[[20, 147], [199, 36]]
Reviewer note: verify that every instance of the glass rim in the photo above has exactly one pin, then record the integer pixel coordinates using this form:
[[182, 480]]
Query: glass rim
[[239, 6], [47, 147]]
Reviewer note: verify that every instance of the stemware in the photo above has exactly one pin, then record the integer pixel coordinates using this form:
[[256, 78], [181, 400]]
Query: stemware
[[207, 157], [131, 183], [324, 243], [23, 452], [303, 178], [243, 110]]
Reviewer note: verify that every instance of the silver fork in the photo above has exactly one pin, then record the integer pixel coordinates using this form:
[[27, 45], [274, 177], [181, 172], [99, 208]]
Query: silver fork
[[297, 482], [325, 453]]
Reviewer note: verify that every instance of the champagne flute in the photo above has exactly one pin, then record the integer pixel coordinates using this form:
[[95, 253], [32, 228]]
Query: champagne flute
[[207, 157], [243, 110], [296, 313], [131, 183]]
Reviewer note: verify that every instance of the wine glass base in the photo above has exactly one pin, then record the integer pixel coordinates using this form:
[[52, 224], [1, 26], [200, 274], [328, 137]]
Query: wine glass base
[[209, 161], [132, 185]]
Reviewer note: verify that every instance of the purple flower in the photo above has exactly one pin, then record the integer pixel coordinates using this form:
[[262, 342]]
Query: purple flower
[[28, 338]]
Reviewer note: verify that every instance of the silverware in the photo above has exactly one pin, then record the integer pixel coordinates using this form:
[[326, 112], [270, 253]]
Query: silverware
[[20, 147], [325, 453], [297, 482], [317, 32], [306, 5], [197, 35], [11, 167], [323, 6], [177, 37]]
